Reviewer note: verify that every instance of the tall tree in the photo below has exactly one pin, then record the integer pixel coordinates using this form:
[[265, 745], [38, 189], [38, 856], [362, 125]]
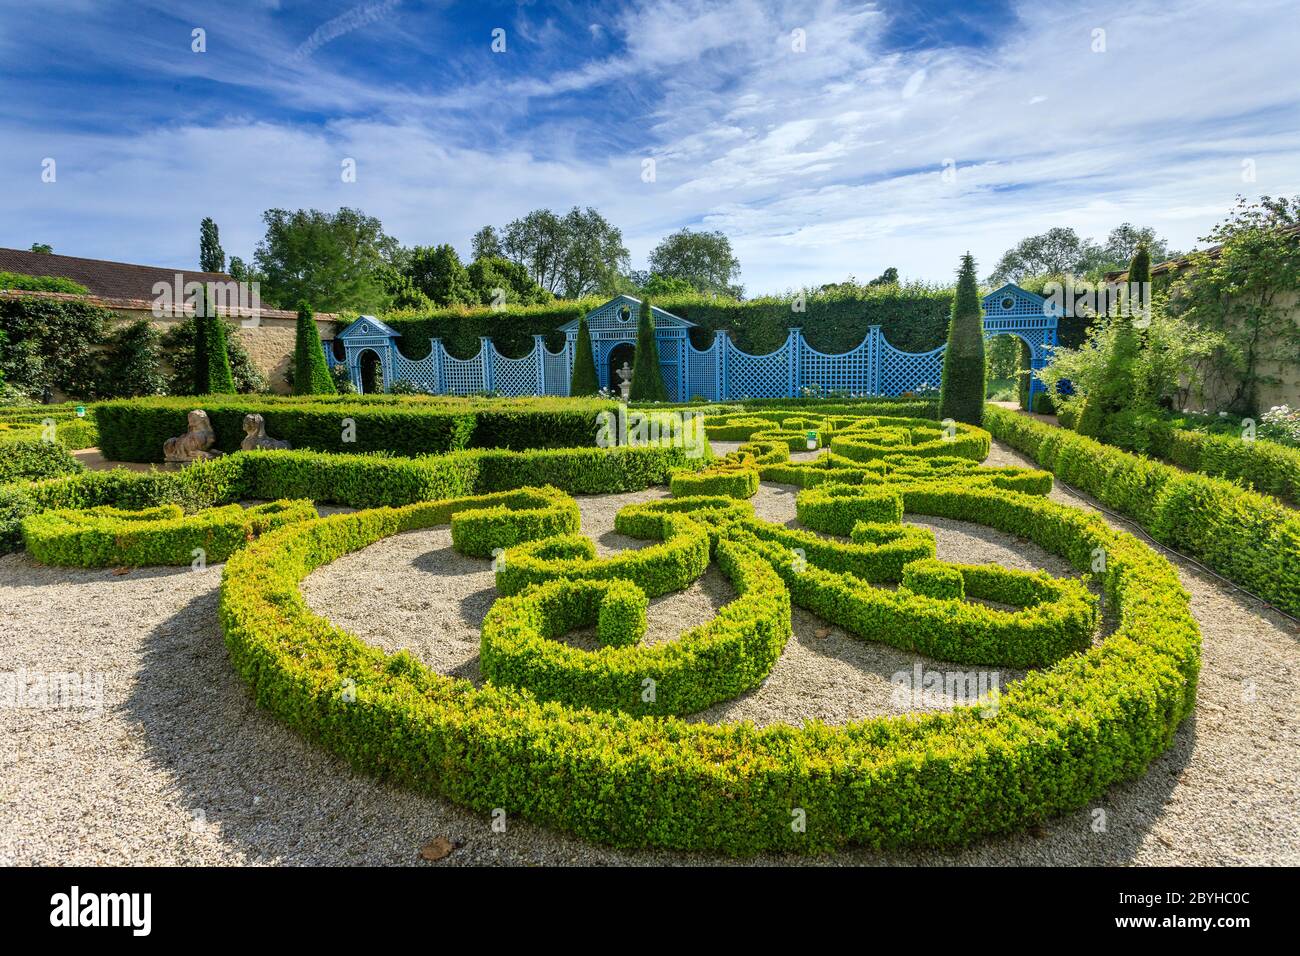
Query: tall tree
[[495, 279], [584, 380], [574, 255], [487, 244], [1118, 387], [1058, 251], [332, 260], [961, 395], [221, 380], [437, 272], [212, 258], [647, 378], [311, 373], [704, 259]]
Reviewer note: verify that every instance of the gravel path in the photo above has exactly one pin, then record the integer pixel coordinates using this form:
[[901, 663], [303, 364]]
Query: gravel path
[[174, 765]]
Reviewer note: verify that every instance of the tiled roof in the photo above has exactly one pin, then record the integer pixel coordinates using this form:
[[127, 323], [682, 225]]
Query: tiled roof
[[147, 305], [109, 280]]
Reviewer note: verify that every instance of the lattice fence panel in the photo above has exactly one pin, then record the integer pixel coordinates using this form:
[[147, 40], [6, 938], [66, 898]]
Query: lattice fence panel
[[422, 373], [758, 376], [909, 371], [702, 372], [556, 369], [847, 372], [463, 376], [514, 376]]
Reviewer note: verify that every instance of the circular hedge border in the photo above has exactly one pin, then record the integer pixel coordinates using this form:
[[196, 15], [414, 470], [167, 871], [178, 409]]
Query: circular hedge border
[[1057, 739]]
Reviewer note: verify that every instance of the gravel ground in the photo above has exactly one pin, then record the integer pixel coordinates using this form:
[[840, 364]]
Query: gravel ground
[[174, 765]]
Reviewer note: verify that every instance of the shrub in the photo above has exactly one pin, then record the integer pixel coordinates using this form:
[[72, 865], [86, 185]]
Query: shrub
[[961, 396], [584, 380], [1057, 739], [647, 377], [106, 536], [936, 579], [512, 517], [836, 509], [34, 459], [311, 373], [1249, 538], [621, 618], [131, 365]]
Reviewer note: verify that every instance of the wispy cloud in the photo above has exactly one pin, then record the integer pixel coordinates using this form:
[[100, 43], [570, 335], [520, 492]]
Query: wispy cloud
[[354, 19]]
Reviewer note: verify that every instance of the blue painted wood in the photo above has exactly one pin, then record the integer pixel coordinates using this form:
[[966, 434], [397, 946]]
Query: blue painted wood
[[721, 372]]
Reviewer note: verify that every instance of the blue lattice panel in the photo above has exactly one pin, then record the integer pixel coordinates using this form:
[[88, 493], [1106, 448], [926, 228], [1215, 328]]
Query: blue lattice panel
[[422, 373], [849, 372], [909, 371], [702, 372], [556, 367], [463, 376], [514, 376], [758, 376]]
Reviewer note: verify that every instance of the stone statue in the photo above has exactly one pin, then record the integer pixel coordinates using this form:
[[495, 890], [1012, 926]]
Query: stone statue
[[255, 435], [194, 445], [625, 381]]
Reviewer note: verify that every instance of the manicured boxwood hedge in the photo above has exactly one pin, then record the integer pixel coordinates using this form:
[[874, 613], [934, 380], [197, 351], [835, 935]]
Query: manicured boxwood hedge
[[358, 481], [135, 430], [1055, 741], [107, 537], [1249, 538]]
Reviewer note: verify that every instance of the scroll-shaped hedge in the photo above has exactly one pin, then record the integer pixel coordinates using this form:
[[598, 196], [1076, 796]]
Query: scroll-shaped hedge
[[1057, 739], [165, 535], [718, 660]]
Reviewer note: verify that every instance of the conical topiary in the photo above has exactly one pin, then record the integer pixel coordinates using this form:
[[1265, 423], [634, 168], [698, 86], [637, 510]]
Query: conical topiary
[[961, 396], [647, 379], [1118, 389], [583, 380], [311, 374], [221, 380]]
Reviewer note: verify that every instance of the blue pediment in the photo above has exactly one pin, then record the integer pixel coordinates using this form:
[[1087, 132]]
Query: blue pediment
[[611, 316], [1011, 300], [369, 327]]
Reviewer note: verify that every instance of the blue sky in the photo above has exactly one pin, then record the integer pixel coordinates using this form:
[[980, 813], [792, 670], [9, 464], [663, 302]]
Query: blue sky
[[817, 163]]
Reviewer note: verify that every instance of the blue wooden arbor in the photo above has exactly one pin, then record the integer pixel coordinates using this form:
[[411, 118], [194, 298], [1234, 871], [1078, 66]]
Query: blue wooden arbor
[[721, 372]]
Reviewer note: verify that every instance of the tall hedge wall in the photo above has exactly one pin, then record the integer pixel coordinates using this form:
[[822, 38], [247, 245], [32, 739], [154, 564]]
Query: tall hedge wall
[[915, 320]]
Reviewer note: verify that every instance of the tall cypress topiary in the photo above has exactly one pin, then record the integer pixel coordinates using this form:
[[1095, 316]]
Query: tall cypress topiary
[[584, 380], [647, 379], [221, 380], [961, 396], [1118, 389], [202, 346], [311, 374]]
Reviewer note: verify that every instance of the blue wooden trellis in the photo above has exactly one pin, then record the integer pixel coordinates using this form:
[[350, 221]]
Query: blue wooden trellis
[[721, 372]]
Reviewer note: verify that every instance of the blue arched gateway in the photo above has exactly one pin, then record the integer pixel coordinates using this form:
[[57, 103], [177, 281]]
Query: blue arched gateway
[[721, 372]]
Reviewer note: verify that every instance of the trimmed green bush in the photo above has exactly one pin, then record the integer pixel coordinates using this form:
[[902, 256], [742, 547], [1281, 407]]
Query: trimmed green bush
[[135, 430], [735, 476], [728, 655], [511, 517], [836, 509], [961, 396], [34, 459], [584, 381], [1056, 740], [647, 377], [311, 373], [621, 618], [936, 579], [1247, 537], [106, 536]]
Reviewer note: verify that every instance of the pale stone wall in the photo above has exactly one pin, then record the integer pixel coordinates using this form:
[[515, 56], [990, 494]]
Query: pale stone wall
[[1285, 392], [269, 342]]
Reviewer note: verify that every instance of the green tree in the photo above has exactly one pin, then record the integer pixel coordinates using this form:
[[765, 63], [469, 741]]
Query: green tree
[[436, 271], [497, 280], [572, 256], [311, 373], [331, 260], [961, 395], [647, 378], [44, 248], [659, 285], [704, 259], [1241, 287], [212, 258], [130, 365], [1117, 390], [584, 380], [214, 376], [487, 244]]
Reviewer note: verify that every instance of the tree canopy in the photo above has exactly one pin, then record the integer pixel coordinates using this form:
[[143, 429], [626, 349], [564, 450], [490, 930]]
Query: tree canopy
[[702, 259]]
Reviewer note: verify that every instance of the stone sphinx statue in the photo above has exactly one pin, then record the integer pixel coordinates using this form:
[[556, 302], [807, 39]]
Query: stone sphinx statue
[[255, 435], [195, 444]]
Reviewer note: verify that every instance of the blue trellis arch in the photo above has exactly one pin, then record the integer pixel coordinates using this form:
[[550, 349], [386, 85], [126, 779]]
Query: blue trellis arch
[[1012, 310], [721, 372], [614, 324]]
